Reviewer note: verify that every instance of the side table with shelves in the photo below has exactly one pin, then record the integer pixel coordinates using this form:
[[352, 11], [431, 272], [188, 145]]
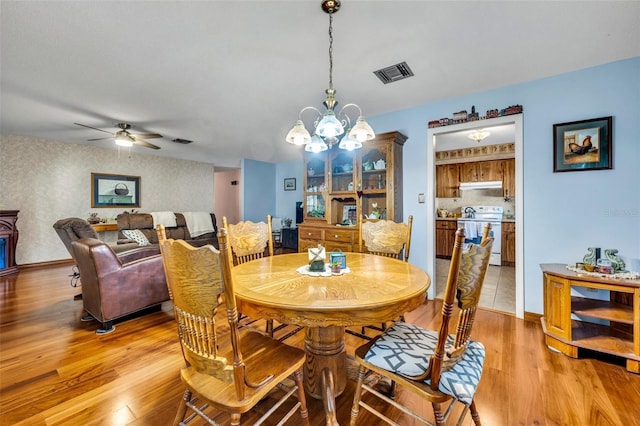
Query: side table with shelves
[[572, 322]]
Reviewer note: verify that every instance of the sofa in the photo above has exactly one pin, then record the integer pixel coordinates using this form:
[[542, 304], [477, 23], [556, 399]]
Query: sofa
[[115, 286], [145, 224]]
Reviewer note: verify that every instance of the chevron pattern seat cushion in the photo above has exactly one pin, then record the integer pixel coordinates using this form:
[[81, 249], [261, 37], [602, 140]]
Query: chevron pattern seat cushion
[[406, 349]]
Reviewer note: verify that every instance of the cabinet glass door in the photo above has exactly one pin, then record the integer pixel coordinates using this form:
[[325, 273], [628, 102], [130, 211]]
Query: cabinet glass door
[[374, 183], [342, 173], [315, 187]]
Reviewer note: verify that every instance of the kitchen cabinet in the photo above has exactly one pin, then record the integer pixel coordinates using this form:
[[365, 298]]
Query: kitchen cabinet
[[509, 177], [449, 176], [508, 244], [445, 238], [447, 181], [572, 322], [343, 187], [481, 171]]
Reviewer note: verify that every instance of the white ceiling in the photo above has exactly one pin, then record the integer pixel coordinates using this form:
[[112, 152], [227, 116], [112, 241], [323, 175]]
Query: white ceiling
[[233, 75]]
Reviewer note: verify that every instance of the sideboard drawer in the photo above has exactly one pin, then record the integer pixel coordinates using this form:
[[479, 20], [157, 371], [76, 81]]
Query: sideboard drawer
[[310, 234], [339, 235]]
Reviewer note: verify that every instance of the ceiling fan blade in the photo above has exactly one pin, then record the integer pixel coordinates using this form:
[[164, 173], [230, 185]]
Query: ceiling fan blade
[[148, 135], [94, 128], [145, 144], [99, 139]]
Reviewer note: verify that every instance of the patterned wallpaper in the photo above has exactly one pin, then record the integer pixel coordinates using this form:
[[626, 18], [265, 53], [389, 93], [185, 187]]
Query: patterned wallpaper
[[48, 180]]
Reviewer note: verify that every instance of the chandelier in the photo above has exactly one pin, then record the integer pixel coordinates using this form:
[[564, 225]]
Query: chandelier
[[478, 135], [330, 128]]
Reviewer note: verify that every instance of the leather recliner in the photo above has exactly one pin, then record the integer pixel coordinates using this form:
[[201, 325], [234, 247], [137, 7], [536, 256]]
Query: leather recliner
[[74, 228], [114, 286]]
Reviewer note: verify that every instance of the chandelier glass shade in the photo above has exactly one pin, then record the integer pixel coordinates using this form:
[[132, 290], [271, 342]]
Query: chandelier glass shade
[[329, 128], [478, 135]]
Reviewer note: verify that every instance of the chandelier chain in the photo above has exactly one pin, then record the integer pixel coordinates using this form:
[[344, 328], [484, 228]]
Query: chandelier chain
[[330, 51]]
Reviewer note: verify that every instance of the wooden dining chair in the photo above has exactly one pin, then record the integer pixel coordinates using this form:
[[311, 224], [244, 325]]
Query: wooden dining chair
[[250, 241], [227, 369], [385, 238], [441, 368]]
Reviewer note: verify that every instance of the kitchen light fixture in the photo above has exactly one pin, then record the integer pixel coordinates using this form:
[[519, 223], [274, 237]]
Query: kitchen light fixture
[[328, 127], [478, 135]]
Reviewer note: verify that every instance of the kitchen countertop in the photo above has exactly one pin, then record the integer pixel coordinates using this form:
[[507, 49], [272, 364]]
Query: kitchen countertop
[[456, 219]]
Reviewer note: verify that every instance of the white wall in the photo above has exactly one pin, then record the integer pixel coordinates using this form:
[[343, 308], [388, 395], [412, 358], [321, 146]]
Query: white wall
[[48, 180]]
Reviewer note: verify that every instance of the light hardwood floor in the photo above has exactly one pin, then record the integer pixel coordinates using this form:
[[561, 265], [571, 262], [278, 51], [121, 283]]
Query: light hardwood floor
[[54, 370], [498, 290]]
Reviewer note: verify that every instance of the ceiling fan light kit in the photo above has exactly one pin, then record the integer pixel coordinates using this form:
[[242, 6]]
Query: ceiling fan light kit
[[123, 138], [329, 128]]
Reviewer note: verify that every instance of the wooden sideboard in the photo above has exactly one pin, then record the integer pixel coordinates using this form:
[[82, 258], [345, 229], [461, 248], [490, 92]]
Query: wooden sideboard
[[332, 237], [572, 322]]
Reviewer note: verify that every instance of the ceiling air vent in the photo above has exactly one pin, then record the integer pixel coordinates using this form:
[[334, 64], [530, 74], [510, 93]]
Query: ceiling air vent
[[182, 141], [394, 73]]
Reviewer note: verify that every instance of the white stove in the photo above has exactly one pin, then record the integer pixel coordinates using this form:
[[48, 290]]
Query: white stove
[[474, 219]]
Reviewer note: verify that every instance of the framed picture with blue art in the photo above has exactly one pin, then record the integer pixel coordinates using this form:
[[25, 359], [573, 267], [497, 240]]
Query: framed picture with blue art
[[583, 145], [109, 190]]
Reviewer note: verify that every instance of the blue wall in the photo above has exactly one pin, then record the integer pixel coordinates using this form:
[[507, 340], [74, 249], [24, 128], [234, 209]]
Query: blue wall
[[564, 213], [286, 200], [258, 191]]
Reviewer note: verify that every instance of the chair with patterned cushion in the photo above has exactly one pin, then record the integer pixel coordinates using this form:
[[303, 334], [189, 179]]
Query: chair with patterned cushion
[[249, 241], [385, 238], [227, 369], [440, 367]]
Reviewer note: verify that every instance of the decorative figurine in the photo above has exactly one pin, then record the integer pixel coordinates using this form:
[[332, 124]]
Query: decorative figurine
[[592, 256], [616, 262]]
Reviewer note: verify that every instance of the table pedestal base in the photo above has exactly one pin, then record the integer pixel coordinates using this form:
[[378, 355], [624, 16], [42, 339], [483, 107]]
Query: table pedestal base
[[325, 350]]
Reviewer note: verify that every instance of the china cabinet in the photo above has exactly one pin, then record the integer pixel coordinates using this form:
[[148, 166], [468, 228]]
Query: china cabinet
[[342, 188]]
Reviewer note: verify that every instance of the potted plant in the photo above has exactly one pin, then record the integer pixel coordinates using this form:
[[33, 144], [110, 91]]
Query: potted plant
[[287, 222], [335, 267]]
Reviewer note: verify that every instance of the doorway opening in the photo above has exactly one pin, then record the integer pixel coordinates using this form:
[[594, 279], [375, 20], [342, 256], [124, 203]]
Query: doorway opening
[[504, 285]]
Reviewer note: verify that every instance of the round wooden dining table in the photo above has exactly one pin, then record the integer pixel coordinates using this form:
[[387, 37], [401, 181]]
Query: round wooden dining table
[[375, 289]]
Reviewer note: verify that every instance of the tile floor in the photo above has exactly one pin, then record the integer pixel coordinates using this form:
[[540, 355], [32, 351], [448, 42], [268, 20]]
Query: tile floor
[[498, 290]]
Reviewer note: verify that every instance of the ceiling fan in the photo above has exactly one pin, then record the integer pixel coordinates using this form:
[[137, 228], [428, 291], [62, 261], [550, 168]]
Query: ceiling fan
[[124, 138]]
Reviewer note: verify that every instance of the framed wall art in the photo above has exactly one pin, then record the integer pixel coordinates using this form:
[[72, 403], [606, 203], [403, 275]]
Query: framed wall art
[[109, 190], [290, 184], [583, 145]]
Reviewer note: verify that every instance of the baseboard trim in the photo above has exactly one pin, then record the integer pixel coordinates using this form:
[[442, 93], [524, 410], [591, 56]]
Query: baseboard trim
[[47, 264]]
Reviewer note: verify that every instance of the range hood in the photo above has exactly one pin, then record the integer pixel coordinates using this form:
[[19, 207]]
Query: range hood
[[493, 184]]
